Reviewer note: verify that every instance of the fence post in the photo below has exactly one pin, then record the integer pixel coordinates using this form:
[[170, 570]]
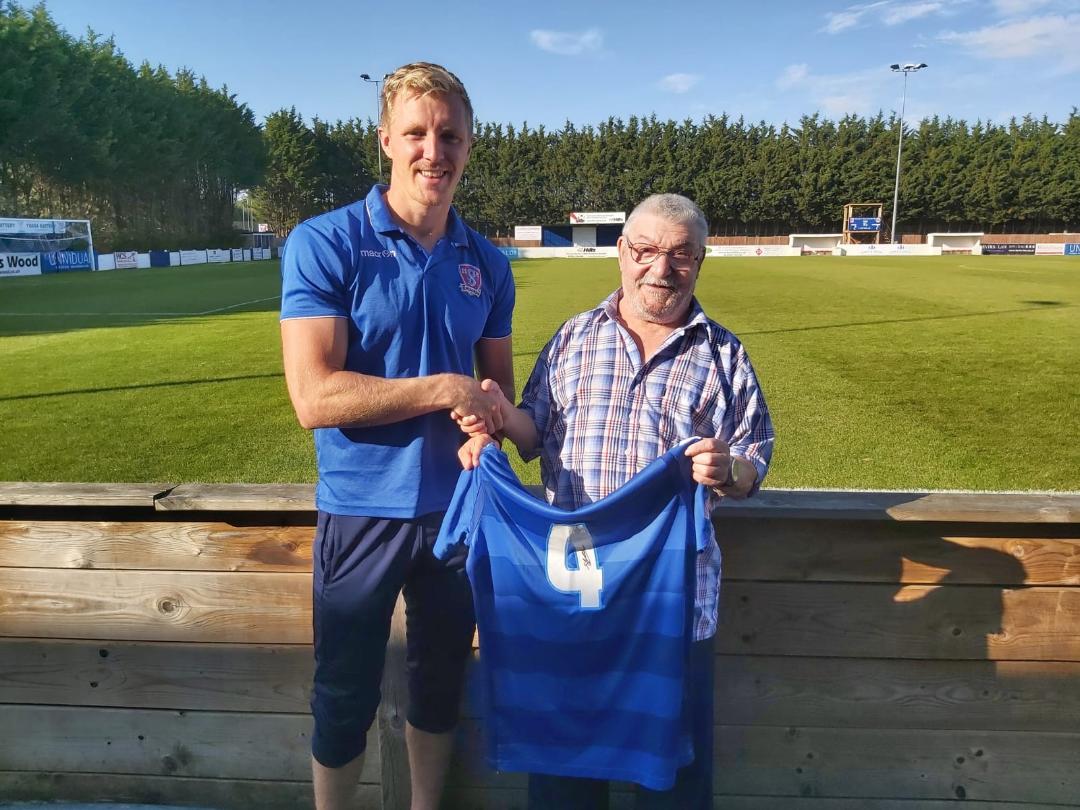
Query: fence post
[[393, 753]]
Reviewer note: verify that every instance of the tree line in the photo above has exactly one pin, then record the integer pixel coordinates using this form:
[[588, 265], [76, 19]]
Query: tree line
[[154, 159], [157, 159], [749, 178]]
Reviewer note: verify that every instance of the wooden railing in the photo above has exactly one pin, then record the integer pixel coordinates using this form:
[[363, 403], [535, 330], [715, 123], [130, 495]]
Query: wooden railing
[[876, 650]]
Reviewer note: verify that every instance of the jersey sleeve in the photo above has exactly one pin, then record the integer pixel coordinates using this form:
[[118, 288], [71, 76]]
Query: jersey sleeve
[[536, 400], [752, 434], [312, 276], [499, 323], [459, 524]]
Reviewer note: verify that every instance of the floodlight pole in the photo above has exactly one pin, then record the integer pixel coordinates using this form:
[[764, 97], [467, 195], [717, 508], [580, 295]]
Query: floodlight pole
[[378, 115], [905, 69]]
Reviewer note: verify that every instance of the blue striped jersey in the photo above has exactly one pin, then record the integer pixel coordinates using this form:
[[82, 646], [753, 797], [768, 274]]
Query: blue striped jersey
[[585, 619]]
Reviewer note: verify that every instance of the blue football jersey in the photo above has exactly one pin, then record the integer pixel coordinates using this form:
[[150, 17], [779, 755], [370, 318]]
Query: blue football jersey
[[585, 619]]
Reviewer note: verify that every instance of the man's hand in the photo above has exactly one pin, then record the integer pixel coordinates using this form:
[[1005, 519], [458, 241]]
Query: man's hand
[[477, 405], [713, 467], [469, 453], [483, 412]]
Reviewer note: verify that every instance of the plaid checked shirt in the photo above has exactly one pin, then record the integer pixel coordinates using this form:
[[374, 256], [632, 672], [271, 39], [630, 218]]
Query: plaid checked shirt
[[602, 414]]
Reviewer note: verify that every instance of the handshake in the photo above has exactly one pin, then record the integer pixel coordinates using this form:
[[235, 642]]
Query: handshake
[[482, 414]]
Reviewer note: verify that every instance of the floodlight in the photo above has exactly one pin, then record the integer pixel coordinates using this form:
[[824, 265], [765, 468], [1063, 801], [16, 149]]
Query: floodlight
[[906, 68], [378, 112]]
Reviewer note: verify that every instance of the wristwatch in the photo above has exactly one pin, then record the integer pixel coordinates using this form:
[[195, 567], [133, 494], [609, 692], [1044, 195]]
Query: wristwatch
[[732, 475]]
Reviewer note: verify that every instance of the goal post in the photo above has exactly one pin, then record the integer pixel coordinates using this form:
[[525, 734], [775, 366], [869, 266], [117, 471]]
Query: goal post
[[35, 246]]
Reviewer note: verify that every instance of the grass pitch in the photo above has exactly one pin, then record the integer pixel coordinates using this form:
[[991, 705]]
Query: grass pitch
[[906, 373]]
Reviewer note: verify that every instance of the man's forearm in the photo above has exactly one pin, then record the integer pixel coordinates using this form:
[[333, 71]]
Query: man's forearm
[[519, 428], [350, 399]]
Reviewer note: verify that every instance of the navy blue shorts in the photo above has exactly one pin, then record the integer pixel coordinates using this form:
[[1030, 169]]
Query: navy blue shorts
[[360, 565]]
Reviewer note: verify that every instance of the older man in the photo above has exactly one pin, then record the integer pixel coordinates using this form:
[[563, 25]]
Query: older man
[[385, 302], [615, 388]]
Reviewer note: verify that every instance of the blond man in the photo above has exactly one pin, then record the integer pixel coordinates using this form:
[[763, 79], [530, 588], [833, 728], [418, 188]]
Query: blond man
[[390, 306]]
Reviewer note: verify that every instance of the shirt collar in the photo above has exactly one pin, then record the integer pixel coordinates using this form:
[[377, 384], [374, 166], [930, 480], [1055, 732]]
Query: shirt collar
[[383, 221], [609, 308]]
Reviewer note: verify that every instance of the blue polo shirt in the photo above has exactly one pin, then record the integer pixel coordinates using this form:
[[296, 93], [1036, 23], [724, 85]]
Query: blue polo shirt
[[410, 314]]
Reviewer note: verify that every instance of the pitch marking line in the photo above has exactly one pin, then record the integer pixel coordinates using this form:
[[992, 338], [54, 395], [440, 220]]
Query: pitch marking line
[[134, 314]]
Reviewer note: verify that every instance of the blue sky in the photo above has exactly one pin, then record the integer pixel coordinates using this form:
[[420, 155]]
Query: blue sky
[[545, 63]]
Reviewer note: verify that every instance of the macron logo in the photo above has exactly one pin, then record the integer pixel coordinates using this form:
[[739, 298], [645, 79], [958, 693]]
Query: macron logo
[[378, 254]]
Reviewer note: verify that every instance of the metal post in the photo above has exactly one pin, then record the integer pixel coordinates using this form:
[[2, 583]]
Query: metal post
[[378, 114], [905, 69]]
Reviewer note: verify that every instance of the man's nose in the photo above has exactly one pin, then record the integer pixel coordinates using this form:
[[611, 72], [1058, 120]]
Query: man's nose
[[432, 148], [662, 264]]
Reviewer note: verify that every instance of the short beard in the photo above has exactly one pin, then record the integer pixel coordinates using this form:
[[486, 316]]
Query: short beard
[[671, 311]]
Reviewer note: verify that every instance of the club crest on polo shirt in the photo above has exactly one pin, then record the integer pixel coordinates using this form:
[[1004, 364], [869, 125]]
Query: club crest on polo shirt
[[470, 279]]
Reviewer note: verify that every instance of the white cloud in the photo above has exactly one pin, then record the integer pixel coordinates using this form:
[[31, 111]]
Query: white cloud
[[841, 21], [1052, 35], [792, 75], [1011, 8], [838, 106], [679, 82], [839, 93], [568, 43], [884, 12], [901, 14]]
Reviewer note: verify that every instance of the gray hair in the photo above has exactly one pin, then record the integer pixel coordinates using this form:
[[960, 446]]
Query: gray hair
[[674, 208]]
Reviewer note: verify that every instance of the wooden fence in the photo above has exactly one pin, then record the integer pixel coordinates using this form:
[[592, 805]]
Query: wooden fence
[[876, 650]]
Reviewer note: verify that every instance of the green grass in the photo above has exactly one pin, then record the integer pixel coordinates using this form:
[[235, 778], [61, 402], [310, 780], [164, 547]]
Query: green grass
[[909, 373]]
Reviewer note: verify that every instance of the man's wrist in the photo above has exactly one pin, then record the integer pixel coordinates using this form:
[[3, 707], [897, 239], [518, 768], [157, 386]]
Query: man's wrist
[[732, 479]]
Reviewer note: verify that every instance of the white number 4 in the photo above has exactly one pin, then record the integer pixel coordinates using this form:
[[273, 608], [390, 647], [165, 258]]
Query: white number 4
[[587, 580]]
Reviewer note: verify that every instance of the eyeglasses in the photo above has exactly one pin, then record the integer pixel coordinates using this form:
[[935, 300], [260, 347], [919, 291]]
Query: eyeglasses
[[680, 258]]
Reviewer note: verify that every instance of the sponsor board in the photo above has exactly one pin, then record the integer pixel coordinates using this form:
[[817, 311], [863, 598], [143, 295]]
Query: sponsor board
[[532, 233], [1008, 248], [125, 259], [510, 252], [237, 254], [192, 257], [61, 261], [1049, 249], [597, 217], [888, 249], [1072, 248], [750, 250], [217, 255], [20, 264], [46, 226], [585, 252]]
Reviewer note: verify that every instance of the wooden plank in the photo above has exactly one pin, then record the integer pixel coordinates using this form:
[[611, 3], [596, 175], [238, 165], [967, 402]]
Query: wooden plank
[[396, 786], [242, 608], [156, 675], [239, 497], [472, 798], [884, 763], [163, 545], [25, 493], [913, 553], [833, 803], [968, 622], [212, 745], [231, 794], [1004, 766], [893, 693], [969, 507]]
